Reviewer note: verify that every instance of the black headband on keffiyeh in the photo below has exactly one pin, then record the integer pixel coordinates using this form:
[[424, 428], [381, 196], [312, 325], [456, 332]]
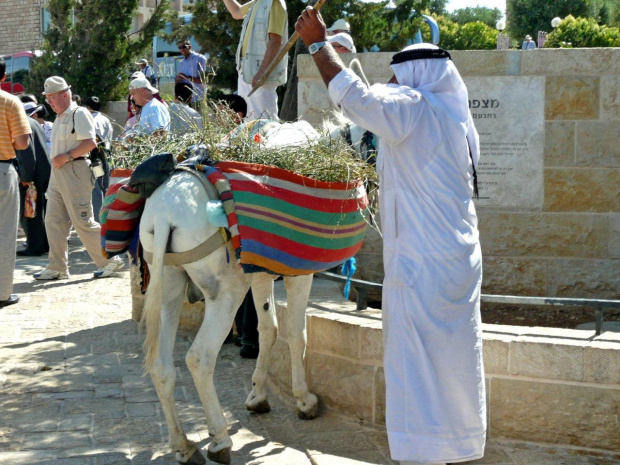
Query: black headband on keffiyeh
[[419, 54]]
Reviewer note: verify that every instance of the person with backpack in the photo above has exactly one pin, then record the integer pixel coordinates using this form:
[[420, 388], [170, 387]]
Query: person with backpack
[[99, 155], [69, 194]]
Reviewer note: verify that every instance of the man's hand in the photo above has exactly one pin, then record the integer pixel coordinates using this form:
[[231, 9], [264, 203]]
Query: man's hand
[[61, 159], [311, 27], [181, 77]]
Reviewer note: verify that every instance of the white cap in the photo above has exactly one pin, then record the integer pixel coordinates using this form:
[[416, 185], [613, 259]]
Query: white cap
[[142, 82], [341, 24], [343, 39], [55, 84], [142, 61]]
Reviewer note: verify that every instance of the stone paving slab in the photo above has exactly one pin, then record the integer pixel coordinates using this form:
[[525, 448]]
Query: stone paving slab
[[72, 390]]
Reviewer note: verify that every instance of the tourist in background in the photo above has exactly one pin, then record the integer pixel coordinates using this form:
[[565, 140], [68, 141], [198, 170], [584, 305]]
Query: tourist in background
[[528, 43], [99, 155], [192, 69], [69, 194], [14, 135], [342, 43], [34, 169]]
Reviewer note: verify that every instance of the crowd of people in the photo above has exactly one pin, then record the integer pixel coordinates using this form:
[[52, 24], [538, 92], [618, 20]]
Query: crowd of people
[[428, 152]]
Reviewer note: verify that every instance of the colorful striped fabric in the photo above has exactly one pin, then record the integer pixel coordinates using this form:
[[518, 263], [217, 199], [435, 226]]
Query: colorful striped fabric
[[293, 225], [120, 218]]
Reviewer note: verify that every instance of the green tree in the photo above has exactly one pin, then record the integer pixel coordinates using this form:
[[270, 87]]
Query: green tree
[[469, 36], [438, 7], [488, 16], [583, 32], [530, 16], [88, 44]]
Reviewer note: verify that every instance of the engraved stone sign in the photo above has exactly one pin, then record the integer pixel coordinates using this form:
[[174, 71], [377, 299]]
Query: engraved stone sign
[[509, 115]]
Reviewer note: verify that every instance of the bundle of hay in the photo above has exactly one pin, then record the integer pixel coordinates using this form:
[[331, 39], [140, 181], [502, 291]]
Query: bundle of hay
[[322, 158]]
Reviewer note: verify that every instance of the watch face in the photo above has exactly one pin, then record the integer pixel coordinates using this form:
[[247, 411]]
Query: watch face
[[315, 47]]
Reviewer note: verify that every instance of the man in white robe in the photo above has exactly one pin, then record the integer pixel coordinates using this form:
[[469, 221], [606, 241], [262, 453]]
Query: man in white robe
[[435, 393]]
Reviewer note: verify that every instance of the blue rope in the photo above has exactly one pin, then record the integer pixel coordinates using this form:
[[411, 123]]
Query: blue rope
[[348, 270]]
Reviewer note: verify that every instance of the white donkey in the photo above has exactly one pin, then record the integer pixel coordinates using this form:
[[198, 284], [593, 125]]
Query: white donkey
[[175, 220]]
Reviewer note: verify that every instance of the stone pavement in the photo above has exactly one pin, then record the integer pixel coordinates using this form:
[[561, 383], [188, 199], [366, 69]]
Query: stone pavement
[[72, 390]]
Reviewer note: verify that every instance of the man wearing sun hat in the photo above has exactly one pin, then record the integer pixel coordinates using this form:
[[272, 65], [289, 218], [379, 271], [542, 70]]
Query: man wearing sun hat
[[342, 43], [339, 26], [155, 117], [147, 70], [435, 406], [69, 193], [528, 43]]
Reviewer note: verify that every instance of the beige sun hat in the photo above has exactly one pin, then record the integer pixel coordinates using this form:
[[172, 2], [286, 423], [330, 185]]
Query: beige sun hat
[[340, 24], [55, 84], [142, 82], [343, 39]]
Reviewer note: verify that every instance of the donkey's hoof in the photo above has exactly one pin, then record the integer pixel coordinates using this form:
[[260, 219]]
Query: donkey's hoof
[[221, 456], [262, 407], [308, 409], [196, 459]]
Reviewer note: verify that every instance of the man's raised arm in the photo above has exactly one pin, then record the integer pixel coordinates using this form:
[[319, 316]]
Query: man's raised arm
[[234, 8], [311, 29]]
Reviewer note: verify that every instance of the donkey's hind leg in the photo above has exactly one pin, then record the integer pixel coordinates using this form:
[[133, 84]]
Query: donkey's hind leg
[[224, 291], [297, 293], [262, 290], [163, 371]]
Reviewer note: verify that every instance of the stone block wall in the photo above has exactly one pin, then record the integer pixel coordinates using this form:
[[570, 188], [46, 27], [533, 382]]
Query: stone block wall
[[20, 25], [567, 245]]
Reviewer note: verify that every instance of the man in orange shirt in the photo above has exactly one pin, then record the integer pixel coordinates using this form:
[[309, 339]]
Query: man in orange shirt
[[14, 135]]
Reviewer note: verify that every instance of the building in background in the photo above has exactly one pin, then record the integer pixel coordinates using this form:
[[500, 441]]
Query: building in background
[[23, 22]]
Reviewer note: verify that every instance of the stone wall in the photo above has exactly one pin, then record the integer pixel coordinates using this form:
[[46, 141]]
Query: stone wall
[[20, 25], [544, 385], [562, 240]]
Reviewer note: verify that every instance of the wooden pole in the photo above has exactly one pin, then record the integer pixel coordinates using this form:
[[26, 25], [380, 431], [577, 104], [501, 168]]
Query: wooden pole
[[283, 51]]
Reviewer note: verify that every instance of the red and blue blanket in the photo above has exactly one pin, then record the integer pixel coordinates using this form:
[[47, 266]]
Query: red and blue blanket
[[287, 223], [120, 218], [280, 222]]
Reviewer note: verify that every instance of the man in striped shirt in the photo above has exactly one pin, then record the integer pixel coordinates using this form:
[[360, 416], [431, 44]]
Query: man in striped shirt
[[14, 135]]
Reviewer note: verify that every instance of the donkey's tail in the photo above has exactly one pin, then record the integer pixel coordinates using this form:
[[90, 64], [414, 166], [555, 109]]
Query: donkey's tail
[[151, 315]]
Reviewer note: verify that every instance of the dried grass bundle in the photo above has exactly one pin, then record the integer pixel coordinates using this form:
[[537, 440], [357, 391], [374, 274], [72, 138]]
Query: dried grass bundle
[[327, 159]]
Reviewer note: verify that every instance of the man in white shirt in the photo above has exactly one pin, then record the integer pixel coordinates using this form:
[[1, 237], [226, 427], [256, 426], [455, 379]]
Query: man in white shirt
[[428, 150], [147, 70], [104, 132], [155, 117]]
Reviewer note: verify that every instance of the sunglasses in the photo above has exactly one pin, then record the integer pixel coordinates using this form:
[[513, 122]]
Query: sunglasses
[[182, 47]]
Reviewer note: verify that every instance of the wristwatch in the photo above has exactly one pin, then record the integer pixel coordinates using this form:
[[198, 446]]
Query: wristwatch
[[315, 47]]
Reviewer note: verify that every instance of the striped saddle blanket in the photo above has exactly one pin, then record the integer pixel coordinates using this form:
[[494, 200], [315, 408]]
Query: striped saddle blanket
[[285, 223], [120, 217]]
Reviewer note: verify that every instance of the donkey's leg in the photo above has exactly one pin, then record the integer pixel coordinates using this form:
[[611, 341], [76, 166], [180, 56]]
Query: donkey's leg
[[297, 293], [262, 290], [223, 293], [163, 371]]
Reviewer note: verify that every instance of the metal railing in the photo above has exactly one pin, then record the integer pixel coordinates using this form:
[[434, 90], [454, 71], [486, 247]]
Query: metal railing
[[362, 287]]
